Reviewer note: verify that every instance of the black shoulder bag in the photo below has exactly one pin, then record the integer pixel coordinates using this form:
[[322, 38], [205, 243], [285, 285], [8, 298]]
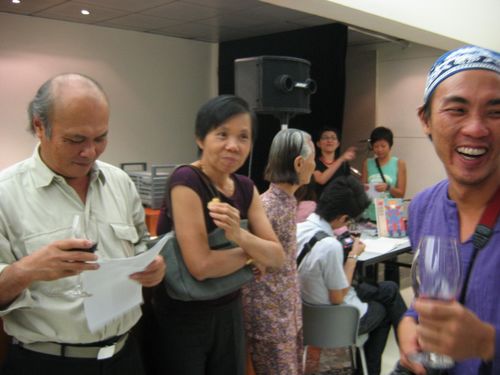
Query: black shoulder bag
[[318, 236], [381, 173], [480, 238]]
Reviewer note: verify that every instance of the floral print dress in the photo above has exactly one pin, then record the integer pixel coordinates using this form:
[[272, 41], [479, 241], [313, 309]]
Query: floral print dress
[[272, 304]]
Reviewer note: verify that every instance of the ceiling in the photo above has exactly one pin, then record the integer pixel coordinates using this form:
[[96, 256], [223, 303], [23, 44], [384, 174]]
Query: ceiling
[[204, 20]]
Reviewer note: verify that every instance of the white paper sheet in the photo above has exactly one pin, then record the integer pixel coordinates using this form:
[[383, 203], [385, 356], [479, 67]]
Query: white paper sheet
[[113, 292], [384, 244], [372, 193]]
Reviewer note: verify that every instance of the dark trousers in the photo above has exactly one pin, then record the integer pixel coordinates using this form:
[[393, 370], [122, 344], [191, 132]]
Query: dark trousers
[[209, 342], [385, 309], [26, 362], [391, 272]]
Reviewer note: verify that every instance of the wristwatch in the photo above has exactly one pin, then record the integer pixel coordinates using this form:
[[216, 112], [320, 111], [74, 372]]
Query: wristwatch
[[355, 257]]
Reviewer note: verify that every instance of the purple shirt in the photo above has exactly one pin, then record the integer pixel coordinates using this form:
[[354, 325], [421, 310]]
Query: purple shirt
[[432, 212], [241, 199]]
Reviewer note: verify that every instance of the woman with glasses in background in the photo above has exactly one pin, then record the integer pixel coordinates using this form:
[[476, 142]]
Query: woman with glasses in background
[[328, 164]]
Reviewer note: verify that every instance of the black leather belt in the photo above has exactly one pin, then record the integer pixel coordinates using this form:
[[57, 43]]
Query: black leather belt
[[100, 350]]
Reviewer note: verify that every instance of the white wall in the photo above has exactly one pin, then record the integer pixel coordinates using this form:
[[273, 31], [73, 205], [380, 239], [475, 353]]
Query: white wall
[[401, 76], [360, 101], [155, 84], [385, 85]]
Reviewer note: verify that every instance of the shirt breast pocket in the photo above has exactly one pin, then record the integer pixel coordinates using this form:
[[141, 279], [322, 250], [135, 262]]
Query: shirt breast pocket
[[36, 241], [127, 236]]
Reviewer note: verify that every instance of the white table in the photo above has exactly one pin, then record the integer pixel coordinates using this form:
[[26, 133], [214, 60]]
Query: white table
[[379, 250]]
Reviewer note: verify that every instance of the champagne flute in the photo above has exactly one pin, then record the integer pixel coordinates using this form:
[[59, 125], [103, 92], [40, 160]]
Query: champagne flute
[[78, 231], [436, 274]]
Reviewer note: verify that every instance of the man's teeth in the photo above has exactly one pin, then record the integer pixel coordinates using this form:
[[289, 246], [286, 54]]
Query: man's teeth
[[469, 151]]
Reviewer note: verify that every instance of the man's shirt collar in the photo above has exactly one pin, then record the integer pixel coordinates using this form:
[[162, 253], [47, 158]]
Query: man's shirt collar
[[43, 175]]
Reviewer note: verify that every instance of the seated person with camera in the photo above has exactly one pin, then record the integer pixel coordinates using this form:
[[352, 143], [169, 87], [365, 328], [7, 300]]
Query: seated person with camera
[[326, 272]]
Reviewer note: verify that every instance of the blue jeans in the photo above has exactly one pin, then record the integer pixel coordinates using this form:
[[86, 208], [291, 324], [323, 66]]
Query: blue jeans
[[385, 309]]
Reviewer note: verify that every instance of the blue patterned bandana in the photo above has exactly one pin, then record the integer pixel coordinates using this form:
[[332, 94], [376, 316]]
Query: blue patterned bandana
[[458, 60]]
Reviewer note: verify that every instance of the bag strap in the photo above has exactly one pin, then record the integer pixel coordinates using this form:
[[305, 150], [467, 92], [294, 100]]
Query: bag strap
[[482, 235], [380, 170], [203, 177], [318, 236]]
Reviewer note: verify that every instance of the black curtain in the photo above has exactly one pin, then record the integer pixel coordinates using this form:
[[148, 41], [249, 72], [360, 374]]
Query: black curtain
[[325, 48]]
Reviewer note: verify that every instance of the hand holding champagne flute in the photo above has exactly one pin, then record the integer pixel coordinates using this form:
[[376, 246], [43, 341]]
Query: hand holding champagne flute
[[436, 274], [79, 229]]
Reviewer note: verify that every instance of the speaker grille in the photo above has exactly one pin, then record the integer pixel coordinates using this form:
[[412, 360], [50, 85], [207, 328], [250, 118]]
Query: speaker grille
[[257, 80]]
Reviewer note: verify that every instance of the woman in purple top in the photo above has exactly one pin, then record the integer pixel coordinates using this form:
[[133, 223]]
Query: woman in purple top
[[206, 337], [271, 304]]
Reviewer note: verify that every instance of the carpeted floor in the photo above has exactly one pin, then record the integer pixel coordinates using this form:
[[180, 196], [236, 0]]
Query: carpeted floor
[[328, 361]]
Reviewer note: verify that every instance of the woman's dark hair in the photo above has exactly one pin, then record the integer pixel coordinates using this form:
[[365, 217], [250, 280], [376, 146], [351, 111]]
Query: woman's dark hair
[[325, 129], [345, 195], [381, 133], [218, 110], [287, 145]]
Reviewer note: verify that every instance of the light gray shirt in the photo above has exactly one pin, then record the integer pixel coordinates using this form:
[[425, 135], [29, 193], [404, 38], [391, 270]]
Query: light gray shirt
[[322, 269], [37, 207]]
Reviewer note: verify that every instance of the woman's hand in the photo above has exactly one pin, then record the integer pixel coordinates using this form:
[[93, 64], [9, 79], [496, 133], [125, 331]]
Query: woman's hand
[[349, 154], [258, 270], [381, 187], [227, 218]]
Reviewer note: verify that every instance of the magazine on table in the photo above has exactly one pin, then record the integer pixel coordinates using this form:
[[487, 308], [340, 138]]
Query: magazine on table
[[391, 219]]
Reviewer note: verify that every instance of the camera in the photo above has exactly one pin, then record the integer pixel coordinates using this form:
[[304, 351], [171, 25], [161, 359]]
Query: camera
[[346, 240]]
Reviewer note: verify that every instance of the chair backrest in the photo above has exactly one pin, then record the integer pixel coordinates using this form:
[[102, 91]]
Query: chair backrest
[[330, 326]]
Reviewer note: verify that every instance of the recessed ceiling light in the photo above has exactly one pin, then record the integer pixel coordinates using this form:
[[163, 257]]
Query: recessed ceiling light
[[85, 12], [16, 1]]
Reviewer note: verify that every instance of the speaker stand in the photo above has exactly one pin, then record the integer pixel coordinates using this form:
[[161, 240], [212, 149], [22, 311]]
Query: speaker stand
[[284, 118]]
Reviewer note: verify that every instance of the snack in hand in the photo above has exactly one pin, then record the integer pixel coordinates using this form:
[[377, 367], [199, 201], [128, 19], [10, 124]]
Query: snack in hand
[[214, 200]]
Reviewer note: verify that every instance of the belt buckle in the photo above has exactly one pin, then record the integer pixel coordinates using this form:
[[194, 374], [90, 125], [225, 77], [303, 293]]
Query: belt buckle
[[106, 352]]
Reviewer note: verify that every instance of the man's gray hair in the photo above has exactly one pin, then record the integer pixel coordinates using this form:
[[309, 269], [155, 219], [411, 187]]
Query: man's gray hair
[[287, 145], [42, 105]]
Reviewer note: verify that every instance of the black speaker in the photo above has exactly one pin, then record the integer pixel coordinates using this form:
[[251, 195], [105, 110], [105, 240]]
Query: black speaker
[[274, 84]]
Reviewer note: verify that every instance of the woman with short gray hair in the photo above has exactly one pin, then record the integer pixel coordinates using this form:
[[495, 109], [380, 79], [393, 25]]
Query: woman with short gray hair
[[271, 304]]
